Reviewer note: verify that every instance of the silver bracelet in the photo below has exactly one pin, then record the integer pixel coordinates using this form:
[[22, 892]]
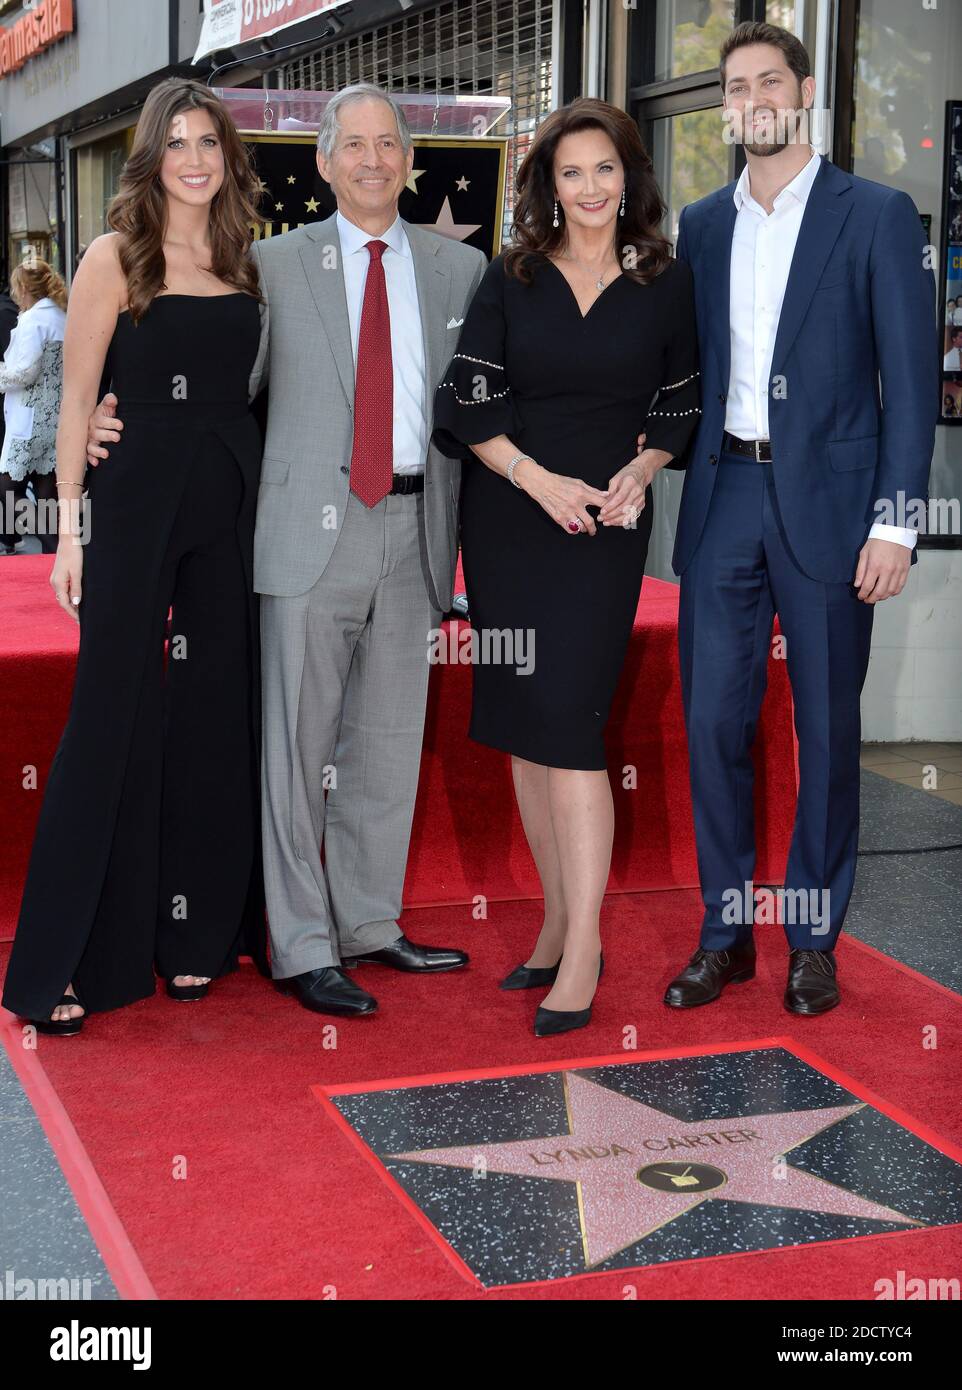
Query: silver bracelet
[[514, 462]]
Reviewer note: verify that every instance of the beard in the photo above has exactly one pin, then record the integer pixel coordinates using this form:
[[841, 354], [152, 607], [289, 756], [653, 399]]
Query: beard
[[789, 127], [770, 147]]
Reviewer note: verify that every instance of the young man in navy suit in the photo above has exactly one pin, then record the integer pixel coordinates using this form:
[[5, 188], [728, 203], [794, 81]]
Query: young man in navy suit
[[820, 390]]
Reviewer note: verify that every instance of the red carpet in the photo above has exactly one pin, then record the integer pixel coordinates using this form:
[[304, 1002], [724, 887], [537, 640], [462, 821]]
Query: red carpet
[[467, 837], [231, 1182]]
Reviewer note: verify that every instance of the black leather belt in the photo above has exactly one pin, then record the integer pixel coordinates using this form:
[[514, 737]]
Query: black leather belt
[[758, 449], [408, 482]]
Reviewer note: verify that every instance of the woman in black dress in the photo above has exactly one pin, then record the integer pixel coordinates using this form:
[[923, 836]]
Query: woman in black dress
[[147, 848], [581, 337]]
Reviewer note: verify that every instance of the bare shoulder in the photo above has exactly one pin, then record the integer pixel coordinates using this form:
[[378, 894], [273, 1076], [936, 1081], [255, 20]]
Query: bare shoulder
[[98, 292], [103, 253], [99, 270]]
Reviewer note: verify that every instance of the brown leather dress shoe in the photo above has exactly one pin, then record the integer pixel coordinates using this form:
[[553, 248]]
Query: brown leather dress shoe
[[707, 974], [812, 987]]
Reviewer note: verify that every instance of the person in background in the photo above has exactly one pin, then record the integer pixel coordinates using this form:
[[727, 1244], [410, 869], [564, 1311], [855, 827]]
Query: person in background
[[8, 322], [952, 361], [31, 378]]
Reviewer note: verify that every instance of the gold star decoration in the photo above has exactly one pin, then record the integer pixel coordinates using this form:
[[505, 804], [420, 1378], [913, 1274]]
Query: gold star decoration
[[412, 179], [462, 184], [311, 204], [290, 178], [278, 207]]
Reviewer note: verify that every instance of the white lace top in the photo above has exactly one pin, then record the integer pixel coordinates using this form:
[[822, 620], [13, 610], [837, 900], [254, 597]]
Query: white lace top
[[31, 376]]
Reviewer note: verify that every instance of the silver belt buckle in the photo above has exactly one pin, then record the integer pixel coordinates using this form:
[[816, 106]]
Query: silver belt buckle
[[758, 449]]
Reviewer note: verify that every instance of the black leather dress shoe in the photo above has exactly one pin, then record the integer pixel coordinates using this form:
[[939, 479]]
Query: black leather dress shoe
[[812, 987], [536, 977], [408, 955], [707, 974], [328, 991]]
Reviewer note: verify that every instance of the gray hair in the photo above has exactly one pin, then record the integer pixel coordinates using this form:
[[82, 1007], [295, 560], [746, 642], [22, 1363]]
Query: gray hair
[[359, 91]]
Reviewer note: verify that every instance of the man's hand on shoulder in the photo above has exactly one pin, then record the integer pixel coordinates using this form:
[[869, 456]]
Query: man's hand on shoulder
[[103, 427], [883, 567]]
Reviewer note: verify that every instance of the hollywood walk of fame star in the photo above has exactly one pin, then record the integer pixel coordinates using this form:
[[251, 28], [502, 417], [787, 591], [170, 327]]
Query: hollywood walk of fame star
[[446, 225], [462, 184], [412, 179], [637, 1168], [311, 204]]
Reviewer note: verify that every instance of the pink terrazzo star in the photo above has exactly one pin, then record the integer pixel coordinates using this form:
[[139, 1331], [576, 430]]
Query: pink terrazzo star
[[638, 1168]]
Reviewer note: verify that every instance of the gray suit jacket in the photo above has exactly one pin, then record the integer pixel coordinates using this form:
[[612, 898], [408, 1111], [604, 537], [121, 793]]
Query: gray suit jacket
[[306, 350]]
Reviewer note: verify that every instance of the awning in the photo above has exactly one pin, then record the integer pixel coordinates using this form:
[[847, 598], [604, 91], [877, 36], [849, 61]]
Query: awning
[[228, 23]]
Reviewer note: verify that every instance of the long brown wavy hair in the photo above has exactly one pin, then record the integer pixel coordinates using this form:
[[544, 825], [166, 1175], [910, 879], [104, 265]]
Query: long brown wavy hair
[[532, 233], [139, 211]]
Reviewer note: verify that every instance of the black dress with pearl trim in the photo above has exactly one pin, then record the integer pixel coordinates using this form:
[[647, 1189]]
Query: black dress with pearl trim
[[552, 612]]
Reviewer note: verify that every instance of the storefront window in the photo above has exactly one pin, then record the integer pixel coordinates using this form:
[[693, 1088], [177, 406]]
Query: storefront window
[[98, 169], [782, 12], [691, 160], [688, 34], [908, 61]]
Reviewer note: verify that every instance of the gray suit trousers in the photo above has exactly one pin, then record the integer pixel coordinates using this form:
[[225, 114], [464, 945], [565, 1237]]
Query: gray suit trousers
[[345, 675]]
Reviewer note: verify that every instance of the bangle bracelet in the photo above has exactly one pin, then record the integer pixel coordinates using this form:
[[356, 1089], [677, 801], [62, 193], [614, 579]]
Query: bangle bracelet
[[67, 482], [513, 464]]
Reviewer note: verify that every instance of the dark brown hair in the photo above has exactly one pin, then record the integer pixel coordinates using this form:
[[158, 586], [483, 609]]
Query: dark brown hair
[[755, 31], [139, 211], [532, 232]]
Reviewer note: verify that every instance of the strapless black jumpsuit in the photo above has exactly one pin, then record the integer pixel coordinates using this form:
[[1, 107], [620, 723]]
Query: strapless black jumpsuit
[[147, 850]]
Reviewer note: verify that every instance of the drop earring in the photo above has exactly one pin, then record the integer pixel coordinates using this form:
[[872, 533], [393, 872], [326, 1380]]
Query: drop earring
[[621, 210], [556, 223]]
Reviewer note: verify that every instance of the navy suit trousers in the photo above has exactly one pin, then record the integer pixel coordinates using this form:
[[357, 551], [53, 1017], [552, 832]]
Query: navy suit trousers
[[741, 574]]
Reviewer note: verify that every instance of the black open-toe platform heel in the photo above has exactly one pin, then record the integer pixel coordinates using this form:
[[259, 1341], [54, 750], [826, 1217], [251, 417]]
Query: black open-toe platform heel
[[187, 993], [65, 1027]]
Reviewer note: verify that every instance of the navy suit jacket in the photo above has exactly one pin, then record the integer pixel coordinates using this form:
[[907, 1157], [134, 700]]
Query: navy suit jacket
[[855, 378]]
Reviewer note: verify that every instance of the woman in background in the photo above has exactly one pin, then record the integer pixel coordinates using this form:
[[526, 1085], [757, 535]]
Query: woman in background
[[31, 378]]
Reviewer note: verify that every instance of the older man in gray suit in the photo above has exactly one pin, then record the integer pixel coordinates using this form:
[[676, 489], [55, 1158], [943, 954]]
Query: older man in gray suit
[[354, 552]]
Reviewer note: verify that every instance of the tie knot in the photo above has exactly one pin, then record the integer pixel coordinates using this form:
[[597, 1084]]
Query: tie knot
[[376, 249]]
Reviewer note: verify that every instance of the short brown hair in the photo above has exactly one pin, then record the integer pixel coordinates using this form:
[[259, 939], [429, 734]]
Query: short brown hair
[[752, 31]]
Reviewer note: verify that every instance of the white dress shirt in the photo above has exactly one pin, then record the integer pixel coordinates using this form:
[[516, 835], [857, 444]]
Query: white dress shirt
[[763, 245], [407, 344]]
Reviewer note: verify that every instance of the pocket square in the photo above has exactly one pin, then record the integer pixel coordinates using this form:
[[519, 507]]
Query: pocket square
[[455, 323]]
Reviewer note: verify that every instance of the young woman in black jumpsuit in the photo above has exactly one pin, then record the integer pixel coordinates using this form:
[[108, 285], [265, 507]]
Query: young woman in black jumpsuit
[[147, 848], [581, 336]]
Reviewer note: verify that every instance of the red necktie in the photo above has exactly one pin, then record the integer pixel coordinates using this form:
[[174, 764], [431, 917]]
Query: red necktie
[[372, 459]]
